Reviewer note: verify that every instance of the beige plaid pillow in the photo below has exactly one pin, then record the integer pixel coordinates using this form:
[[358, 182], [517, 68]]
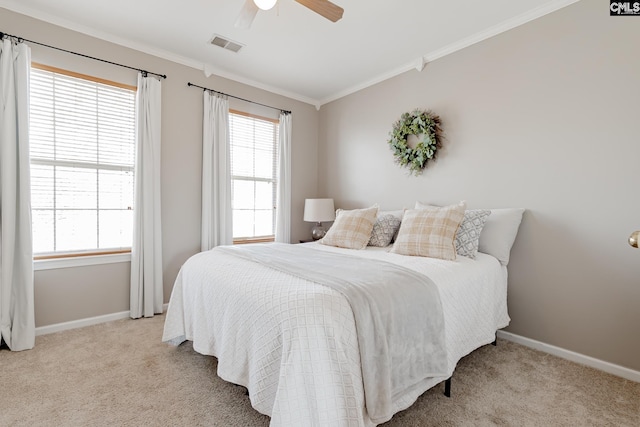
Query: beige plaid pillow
[[430, 232], [351, 229]]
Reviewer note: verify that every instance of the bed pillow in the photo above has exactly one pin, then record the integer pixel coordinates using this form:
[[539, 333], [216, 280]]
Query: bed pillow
[[500, 232], [384, 229], [429, 232], [468, 235], [351, 229], [398, 213]]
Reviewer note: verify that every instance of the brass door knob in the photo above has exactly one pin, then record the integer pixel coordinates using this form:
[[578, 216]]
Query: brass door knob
[[633, 239]]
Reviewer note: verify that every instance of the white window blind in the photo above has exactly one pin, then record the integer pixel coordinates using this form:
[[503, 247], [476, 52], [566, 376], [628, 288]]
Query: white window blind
[[82, 136], [254, 157]]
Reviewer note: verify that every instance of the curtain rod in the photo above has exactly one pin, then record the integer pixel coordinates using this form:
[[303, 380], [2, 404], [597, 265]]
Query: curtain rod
[[237, 97], [21, 39]]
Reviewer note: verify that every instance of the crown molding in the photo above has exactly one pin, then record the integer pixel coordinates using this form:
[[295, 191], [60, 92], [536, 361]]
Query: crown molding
[[500, 28]]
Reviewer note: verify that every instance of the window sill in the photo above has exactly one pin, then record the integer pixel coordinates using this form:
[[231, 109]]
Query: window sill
[[245, 241], [50, 264]]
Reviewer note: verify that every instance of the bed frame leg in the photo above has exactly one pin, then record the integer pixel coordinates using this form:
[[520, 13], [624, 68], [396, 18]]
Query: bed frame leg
[[447, 382]]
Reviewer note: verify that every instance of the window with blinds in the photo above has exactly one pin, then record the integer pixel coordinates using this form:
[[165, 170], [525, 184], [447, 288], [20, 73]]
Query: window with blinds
[[82, 135], [254, 162]]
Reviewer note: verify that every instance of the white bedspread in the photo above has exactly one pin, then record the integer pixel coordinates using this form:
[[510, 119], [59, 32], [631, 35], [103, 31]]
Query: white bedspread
[[397, 313], [293, 343]]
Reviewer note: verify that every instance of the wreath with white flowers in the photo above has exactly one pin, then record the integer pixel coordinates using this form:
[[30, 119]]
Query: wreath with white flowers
[[425, 125]]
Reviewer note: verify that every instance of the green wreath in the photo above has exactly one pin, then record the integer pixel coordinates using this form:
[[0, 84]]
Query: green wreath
[[423, 124]]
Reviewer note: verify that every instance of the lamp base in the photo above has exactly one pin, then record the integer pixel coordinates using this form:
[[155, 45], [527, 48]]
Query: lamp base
[[318, 231]]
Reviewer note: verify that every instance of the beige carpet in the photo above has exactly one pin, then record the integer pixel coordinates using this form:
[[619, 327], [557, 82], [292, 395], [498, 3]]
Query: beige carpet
[[120, 374]]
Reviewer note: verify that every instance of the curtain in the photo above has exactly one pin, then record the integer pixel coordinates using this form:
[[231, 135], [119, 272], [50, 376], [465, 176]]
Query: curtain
[[17, 322], [216, 173], [283, 205], [146, 252]]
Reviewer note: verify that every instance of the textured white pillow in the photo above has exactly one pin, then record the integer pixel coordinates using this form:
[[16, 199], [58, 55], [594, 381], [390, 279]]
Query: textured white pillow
[[384, 229], [500, 232], [351, 229], [468, 235]]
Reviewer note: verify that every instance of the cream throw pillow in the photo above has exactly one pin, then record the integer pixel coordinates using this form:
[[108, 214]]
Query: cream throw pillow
[[351, 229], [430, 232], [468, 235]]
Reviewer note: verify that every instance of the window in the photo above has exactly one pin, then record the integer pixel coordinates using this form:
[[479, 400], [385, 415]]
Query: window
[[82, 135], [254, 161]]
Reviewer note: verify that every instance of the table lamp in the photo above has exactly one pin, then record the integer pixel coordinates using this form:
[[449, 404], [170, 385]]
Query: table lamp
[[319, 210]]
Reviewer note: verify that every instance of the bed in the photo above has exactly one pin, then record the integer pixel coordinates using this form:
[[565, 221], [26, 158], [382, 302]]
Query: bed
[[293, 343], [352, 329]]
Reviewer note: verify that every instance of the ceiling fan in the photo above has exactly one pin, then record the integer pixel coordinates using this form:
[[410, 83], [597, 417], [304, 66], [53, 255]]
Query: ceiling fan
[[322, 7]]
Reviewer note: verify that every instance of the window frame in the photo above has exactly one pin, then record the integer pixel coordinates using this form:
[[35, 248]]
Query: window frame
[[74, 258], [257, 239]]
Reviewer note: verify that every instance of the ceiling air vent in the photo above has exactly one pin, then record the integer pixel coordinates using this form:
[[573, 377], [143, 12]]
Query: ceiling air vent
[[226, 44]]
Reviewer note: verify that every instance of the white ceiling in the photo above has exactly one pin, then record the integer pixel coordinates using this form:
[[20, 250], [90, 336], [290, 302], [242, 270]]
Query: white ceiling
[[289, 49]]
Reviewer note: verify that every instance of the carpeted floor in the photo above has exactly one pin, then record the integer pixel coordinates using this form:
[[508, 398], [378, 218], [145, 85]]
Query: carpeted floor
[[120, 374]]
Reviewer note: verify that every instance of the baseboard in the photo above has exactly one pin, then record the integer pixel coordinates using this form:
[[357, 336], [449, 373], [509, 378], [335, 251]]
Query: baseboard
[[610, 368], [81, 323]]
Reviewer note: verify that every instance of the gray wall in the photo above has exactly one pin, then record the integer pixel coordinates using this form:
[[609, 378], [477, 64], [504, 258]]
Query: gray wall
[[75, 293], [544, 117]]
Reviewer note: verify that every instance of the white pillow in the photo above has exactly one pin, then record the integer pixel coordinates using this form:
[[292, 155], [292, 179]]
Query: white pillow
[[499, 233]]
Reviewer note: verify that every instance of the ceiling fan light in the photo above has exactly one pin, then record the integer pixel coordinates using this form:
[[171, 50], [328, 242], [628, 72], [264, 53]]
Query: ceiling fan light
[[265, 4]]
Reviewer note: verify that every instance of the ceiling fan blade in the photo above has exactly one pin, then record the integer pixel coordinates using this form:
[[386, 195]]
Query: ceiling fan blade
[[325, 8], [247, 15]]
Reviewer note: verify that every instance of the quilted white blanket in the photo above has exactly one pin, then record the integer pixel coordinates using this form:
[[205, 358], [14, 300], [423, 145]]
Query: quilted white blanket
[[397, 313], [293, 343]]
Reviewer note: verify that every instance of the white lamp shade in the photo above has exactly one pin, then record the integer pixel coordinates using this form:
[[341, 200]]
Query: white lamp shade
[[319, 210], [265, 4]]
